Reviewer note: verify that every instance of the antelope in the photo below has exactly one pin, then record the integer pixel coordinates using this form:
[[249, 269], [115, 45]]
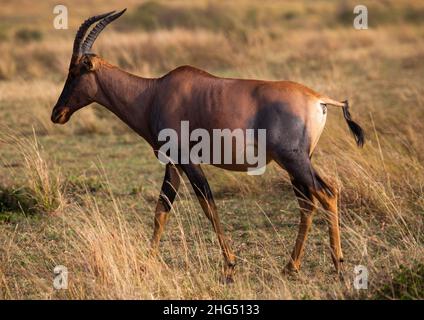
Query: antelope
[[293, 115]]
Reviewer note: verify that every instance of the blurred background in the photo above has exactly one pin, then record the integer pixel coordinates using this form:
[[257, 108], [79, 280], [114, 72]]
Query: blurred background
[[312, 42], [68, 192]]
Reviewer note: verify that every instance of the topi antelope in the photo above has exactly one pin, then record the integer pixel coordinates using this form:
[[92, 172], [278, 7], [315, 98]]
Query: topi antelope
[[293, 115]]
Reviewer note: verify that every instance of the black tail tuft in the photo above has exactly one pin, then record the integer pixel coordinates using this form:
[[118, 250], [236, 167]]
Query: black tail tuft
[[357, 131]]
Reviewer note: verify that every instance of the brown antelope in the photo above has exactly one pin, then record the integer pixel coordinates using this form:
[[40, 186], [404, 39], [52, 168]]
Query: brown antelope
[[292, 114]]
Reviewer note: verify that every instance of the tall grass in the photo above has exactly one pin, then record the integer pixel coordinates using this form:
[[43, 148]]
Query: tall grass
[[106, 249], [43, 188]]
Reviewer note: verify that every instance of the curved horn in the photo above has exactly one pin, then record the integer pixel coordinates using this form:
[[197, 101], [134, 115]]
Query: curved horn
[[92, 36], [81, 33]]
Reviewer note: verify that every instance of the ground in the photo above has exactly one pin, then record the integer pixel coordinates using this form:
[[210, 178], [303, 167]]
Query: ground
[[83, 195]]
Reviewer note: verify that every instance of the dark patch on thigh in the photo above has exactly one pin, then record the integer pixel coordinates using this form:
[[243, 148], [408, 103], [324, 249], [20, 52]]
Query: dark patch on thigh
[[285, 130]]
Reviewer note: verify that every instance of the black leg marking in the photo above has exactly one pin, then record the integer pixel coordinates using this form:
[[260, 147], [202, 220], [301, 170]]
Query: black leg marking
[[204, 194], [170, 185]]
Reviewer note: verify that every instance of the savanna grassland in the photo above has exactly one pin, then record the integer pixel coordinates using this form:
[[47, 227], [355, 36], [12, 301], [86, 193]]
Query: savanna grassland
[[83, 195]]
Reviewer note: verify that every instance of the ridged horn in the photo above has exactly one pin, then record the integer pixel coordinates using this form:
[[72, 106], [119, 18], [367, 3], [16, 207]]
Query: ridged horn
[[92, 36], [81, 33]]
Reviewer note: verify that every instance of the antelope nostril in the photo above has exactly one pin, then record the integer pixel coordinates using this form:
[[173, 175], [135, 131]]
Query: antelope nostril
[[55, 114], [58, 113]]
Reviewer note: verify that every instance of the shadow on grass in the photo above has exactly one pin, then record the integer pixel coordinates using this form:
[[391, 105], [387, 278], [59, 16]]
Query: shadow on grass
[[15, 204]]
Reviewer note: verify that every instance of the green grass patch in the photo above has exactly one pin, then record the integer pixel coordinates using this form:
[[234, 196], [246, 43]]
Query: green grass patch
[[406, 284], [15, 204]]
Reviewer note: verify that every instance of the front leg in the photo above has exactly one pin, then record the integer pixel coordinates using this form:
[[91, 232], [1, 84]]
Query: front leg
[[204, 195], [170, 185]]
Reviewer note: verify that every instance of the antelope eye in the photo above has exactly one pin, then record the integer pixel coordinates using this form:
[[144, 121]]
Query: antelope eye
[[87, 65]]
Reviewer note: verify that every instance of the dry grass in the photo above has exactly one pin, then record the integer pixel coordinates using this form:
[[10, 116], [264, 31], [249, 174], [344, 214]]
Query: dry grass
[[76, 195]]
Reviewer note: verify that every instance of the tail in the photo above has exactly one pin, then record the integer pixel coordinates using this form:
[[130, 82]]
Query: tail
[[357, 131]]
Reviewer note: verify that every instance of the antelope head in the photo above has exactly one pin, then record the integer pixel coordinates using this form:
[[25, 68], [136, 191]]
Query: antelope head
[[81, 86]]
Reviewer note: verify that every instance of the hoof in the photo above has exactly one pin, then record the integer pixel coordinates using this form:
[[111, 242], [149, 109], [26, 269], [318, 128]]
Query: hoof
[[228, 275], [290, 269], [228, 280], [152, 253], [340, 268], [340, 273]]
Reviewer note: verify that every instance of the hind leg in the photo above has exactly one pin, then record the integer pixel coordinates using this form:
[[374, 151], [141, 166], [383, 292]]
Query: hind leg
[[329, 203], [299, 167], [307, 205]]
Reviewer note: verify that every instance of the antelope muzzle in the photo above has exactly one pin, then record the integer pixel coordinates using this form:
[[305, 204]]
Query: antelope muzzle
[[61, 115]]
